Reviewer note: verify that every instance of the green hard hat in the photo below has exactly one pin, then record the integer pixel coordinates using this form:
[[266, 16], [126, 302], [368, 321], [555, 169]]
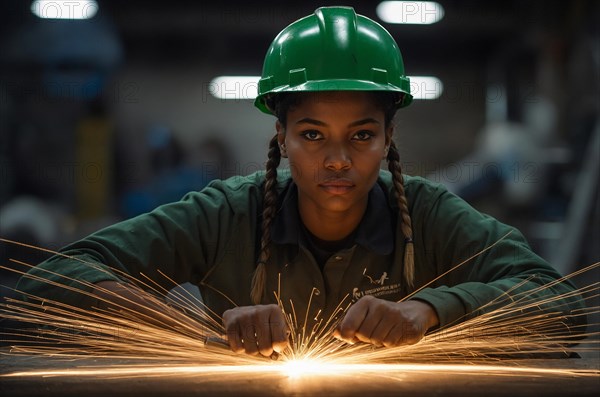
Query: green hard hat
[[333, 49]]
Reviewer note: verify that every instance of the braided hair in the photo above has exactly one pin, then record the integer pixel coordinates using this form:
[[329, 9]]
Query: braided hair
[[269, 209], [280, 105], [393, 159]]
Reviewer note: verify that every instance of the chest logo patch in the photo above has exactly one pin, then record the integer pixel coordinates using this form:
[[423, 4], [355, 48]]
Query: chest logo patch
[[378, 281], [378, 289]]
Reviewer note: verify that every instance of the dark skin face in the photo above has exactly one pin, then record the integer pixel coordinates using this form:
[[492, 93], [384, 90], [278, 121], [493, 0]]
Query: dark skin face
[[335, 142]]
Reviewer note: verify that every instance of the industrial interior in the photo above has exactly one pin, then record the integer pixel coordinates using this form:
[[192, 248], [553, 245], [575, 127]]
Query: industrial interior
[[111, 108]]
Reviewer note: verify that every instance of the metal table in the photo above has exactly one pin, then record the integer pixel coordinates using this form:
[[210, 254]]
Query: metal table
[[541, 377]]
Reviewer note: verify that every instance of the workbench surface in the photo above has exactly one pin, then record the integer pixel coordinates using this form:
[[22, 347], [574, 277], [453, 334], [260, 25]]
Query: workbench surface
[[409, 381]]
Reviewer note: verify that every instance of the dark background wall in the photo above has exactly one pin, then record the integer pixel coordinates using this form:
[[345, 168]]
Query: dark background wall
[[105, 118]]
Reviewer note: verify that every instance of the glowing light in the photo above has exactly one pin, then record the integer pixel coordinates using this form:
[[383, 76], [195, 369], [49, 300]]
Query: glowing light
[[410, 12], [234, 87], [426, 87], [158, 331], [300, 368], [64, 9]]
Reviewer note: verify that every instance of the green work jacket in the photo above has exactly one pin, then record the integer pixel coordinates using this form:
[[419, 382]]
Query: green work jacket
[[211, 238]]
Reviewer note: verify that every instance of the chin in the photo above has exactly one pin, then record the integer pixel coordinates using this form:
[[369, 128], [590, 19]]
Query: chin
[[337, 204]]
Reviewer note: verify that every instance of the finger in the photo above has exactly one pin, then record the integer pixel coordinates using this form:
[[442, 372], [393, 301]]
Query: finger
[[338, 335], [237, 344], [413, 333], [380, 335], [249, 339], [394, 337], [264, 341], [366, 332], [352, 320], [232, 332], [280, 332], [404, 333]]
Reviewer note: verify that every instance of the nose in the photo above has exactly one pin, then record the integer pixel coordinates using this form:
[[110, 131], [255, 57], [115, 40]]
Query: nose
[[337, 158]]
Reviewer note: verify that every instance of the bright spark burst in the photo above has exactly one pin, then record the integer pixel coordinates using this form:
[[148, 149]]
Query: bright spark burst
[[485, 344], [302, 368]]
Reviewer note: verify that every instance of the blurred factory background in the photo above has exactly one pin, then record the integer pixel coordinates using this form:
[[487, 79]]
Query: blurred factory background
[[106, 117]]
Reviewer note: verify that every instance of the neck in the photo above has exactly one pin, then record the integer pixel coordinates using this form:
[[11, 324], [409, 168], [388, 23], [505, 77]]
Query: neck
[[330, 225]]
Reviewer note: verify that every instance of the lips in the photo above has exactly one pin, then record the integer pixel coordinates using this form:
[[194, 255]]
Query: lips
[[337, 185]]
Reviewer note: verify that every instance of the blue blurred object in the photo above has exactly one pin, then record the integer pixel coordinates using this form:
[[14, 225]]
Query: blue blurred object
[[76, 55], [171, 179], [166, 187]]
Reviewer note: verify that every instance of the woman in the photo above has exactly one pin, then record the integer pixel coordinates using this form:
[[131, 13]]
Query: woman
[[333, 228]]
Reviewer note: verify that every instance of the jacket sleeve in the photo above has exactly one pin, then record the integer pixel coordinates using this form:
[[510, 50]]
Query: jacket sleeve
[[508, 272], [182, 240]]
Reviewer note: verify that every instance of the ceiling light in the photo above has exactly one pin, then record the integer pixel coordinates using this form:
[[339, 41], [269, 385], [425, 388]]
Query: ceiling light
[[64, 9], [245, 87], [410, 12], [426, 87], [234, 87]]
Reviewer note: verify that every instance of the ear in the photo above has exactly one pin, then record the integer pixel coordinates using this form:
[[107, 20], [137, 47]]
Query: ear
[[281, 138]]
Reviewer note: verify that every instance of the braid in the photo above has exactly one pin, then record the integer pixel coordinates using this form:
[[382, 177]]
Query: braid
[[259, 279], [398, 179]]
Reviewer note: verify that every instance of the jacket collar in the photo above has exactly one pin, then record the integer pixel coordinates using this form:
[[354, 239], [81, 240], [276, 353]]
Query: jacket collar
[[375, 231]]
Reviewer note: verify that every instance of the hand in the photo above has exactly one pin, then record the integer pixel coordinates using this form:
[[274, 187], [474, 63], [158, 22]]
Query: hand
[[384, 323], [256, 329]]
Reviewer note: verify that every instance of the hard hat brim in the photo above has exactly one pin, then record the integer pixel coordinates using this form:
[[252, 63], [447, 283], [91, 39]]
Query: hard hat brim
[[405, 98]]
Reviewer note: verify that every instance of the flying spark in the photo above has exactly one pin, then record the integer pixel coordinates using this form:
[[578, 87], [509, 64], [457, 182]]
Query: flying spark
[[177, 332]]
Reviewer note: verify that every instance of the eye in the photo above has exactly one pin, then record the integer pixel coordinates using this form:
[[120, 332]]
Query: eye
[[312, 135], [363, 135]]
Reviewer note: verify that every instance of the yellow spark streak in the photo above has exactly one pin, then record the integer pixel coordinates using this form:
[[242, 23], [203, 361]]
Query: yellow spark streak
[[297, 369], [518, 327]]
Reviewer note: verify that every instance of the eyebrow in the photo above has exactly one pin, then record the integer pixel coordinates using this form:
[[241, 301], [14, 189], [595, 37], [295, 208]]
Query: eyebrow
[[308, 120]]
